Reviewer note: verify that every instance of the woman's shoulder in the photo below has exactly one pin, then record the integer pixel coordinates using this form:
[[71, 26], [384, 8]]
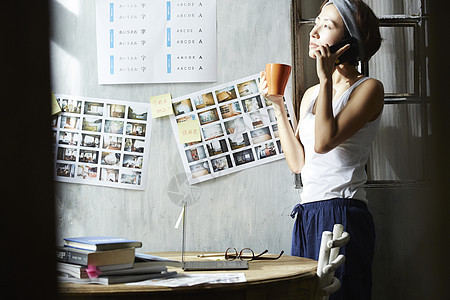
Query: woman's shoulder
[[306, 100], [369, 94], [372, 83], [370, 86], [311, 89]]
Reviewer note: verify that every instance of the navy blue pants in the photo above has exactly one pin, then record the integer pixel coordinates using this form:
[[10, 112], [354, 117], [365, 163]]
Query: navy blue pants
[[314, 218]]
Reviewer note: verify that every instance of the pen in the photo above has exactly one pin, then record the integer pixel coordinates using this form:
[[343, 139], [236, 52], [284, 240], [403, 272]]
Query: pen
[[210, 254]]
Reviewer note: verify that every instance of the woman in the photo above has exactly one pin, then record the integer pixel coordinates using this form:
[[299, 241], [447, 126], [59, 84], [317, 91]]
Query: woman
[[339, 118]]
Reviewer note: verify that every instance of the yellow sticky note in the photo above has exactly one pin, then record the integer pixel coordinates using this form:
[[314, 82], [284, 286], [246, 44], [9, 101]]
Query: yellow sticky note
[[55, 105], [161, 105], [189, 131]]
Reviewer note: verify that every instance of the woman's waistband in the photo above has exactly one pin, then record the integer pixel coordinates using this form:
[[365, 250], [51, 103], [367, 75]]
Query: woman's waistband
[[335, 202]]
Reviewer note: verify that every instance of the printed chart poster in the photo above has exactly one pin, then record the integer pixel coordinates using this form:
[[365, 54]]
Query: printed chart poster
[[156, 41], [102, 142], [237, 126]]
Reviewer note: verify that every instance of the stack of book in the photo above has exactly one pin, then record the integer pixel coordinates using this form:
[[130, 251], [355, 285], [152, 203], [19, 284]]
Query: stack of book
[[107, 260]]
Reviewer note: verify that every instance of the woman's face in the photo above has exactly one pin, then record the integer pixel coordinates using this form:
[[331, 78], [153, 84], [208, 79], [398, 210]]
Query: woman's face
[[328, 29]]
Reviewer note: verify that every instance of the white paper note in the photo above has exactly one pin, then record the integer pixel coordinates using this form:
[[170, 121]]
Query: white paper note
[[194, 279], [156, 41]]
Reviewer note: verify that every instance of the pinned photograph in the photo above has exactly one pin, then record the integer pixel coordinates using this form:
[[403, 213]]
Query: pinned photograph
[[195, 154], [110, 158], [112, 142], [182, 107], [137, 112], [92, 124], [238, 140], [200, 169], [132, 161], [90, 140], [257, 119], [109, 175], [226, 94], [243, 157], [86, 172], [212, 131], [230, 110], [70, 105], [188, 117], [115, 111], [115, 127], [216, 147], [247, 88], [131, 177], [68, 122], [275, 131], [137, 129], [252, 104], [235, 126], [260, 135], [272, 117], [68, 138], [134, 145], [221, 163], [279, 147], [88, 156], [203, 101], [208, 116], [67, 154], [65, 170], [265, 150], [93, 108], [54, 121]]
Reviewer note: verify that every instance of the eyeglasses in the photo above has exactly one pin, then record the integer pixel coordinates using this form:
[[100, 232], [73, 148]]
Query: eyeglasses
[[247, 254]]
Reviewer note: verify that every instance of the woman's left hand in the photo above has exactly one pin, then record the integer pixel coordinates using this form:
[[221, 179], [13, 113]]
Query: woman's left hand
[[264, 90], [325, 60]]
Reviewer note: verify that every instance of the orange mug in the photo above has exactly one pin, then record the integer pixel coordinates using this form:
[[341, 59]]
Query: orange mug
[[277, 76]]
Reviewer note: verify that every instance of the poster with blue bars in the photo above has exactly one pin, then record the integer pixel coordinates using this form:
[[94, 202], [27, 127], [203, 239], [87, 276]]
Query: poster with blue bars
[[156, 41]]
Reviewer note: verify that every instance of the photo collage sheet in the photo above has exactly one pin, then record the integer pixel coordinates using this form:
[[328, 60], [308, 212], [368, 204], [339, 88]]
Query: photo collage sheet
[[102, 142], [237, 126]]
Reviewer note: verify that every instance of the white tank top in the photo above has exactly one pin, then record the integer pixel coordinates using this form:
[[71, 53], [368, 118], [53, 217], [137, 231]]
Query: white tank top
[[340, 173]]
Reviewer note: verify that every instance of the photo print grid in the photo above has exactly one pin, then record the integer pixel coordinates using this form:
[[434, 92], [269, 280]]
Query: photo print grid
[[237, 125], [101, 142]]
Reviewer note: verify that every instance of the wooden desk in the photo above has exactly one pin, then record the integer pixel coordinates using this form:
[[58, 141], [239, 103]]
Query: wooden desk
[[289, 277]]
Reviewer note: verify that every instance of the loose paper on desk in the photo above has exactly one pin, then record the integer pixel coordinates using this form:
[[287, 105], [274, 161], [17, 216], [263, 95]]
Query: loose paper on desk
[[189, 131], [194, 279], [156, 41], [161, 105]]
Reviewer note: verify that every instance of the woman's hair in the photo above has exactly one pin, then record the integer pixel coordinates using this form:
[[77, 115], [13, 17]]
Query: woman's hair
[[369, 28]]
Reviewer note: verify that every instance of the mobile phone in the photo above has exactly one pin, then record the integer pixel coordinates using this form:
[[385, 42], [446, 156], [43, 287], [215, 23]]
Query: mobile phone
[[350, 54]]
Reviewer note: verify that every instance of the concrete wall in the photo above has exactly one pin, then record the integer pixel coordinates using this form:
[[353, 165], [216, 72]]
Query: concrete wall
[[246, 209]]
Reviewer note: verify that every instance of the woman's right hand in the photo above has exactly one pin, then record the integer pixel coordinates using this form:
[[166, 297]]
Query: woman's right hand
[[264, 90]]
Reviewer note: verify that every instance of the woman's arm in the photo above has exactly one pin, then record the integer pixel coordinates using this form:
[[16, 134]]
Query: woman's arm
[[365, 104], [290, 142]]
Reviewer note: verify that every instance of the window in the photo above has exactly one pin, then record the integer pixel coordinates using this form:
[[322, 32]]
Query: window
[[399, 151]]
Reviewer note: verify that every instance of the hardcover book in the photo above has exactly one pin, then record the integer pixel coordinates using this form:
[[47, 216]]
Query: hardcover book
[[106, 280], [99, 258], [79, 271], [101, 243]]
